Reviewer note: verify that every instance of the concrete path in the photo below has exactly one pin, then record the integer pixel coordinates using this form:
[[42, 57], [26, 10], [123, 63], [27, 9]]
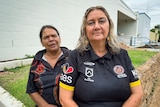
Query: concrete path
[[7, 100], [1, 105]]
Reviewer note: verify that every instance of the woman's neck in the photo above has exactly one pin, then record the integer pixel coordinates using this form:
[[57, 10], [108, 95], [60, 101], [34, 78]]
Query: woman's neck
[[99, 48], [53, 55]]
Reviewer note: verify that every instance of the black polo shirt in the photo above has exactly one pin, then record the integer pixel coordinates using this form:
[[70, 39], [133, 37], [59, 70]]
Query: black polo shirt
[[44, 79], [99, 81]]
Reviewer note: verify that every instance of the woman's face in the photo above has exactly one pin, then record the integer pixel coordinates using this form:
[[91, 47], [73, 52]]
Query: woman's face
[[97, 26], [50, 39]]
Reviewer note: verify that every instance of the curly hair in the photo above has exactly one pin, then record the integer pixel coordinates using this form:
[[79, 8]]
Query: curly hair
[[111, 42]]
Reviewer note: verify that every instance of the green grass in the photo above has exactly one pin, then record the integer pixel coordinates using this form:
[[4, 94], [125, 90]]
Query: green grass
[[15, 81], [139, 57]]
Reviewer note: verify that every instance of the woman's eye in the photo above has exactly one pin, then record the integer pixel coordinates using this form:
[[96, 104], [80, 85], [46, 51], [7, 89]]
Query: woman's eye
[[54, 36], [46, 37], [90, 23], [102, 21]]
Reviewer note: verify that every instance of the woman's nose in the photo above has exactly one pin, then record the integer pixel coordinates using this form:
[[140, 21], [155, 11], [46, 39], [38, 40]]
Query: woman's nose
[[97, 25], [51, 38]]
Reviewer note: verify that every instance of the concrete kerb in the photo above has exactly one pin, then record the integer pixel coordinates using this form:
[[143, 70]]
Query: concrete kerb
[[14, 63], [7, 100]]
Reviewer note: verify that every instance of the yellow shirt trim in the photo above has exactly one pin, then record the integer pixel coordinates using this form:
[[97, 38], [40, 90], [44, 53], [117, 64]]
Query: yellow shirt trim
[[135, 83], [67, 87]]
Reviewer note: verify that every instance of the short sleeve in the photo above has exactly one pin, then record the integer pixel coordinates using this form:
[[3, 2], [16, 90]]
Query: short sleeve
[[31, 87], [70, 72], [132, 72]]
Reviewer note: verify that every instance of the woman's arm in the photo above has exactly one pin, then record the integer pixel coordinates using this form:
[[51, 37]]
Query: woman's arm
[[39, 100], [66, 98], [136, 97]]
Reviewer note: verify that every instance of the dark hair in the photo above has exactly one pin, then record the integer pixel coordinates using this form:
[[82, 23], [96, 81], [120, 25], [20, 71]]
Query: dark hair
[[44, 27]]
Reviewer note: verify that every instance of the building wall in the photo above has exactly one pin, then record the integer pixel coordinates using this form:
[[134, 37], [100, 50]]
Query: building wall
[[127, 22], [127, 27], [143, 26], [122, 7], [21, 20]]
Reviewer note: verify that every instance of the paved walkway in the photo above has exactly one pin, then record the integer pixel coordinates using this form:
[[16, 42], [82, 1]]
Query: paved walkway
[[1, 105], [7, 100]]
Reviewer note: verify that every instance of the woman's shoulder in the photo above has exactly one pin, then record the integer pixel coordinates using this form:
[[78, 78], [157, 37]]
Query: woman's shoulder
[[40, 53], [122, 52], [65, 50], [74, 52]]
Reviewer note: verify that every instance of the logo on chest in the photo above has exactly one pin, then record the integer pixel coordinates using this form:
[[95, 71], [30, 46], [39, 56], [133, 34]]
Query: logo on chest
[[88, 74], [119, 71]]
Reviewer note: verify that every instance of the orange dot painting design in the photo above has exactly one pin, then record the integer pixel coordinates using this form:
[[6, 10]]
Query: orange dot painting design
[[40, 68]]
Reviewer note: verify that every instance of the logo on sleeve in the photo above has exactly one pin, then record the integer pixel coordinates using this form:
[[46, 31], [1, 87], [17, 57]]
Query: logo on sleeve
[[119, 70], [135, 74], [67, 69]]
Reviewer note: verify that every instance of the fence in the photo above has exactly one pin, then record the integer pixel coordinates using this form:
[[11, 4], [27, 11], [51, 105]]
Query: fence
[[137, 41]]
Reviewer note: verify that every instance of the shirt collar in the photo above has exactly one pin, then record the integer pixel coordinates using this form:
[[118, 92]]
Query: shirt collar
[[39, 55], [108, 55]]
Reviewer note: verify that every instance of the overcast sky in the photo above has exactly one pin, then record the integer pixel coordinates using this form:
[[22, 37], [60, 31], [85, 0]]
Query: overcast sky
[[150, 7]]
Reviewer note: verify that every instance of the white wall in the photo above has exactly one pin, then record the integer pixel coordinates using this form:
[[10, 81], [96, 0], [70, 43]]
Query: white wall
[[127, 25], [144, 25], [122, 7], [128, 28], [21, 20]]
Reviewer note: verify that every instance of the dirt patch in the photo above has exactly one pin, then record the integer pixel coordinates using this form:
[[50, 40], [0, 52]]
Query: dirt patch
[[150, 46], [150, 78], [5, 73]]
